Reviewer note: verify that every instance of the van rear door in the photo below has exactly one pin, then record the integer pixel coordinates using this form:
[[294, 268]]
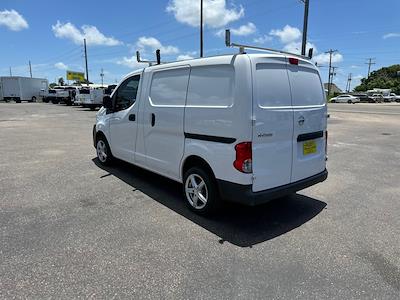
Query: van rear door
[[309, 119], [273, 127]]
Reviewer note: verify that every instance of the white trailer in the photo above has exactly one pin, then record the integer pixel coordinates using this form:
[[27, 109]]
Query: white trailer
[[23, 88]]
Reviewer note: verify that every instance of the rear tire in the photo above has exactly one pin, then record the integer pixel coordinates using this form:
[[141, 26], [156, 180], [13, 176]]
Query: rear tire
[[333, 101], [349, 102], [200, 191], [103, 151], [33, 99]]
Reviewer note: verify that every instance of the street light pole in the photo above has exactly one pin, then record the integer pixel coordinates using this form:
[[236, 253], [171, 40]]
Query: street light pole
[[305, 25]]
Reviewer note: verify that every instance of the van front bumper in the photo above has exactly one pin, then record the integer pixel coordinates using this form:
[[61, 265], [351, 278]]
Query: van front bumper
[[243, 194]]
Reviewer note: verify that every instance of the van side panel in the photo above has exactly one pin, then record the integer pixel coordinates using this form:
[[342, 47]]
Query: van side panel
[[309, 120], [218, 113], [273, 129], [163, 120]]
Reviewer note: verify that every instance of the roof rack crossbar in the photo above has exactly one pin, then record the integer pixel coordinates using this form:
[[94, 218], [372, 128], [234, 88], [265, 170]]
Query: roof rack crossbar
[[242, 47]]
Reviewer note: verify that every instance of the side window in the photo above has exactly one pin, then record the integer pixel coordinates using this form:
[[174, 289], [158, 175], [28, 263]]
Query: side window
[[169, 87], [211, 86], [126, 94]]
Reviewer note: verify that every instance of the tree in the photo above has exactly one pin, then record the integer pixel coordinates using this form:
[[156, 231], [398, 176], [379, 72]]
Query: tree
[[384, 78], [61, 81], [53, 84]]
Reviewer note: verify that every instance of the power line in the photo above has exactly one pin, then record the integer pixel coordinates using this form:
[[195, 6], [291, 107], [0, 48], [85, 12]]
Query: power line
[[369, 63]]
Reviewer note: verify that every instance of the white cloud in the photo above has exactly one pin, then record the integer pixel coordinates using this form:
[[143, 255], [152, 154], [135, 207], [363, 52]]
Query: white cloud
[[150, 43], [13, 20], [262, 39], [216, 12], [92, 35], [391, 35], [184, 57], [131, 62], [286, 35], [61, 66], [323, 58], [243, 30]]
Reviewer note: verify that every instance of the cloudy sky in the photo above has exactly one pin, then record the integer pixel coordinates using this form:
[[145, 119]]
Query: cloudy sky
[[51, 34]]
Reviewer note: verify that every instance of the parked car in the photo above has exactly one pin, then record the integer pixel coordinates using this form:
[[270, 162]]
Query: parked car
[[395, 97], [50, 96], [378, 98], [345, 99], [72, 93], [246, 128], [61, 95], [364, 98]]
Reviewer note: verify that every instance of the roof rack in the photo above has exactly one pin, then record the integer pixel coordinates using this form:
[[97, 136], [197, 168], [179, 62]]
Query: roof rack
[[243, 47], [150, 62]]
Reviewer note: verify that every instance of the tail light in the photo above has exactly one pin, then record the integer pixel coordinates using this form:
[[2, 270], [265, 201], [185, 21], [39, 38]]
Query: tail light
[[243, 161]]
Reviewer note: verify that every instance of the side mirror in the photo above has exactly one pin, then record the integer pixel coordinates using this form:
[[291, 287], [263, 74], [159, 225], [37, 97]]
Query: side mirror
[[107, 102]]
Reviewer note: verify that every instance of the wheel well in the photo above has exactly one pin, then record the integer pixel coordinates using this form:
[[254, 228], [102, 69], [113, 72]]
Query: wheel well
[[196, 161], [100, 134]]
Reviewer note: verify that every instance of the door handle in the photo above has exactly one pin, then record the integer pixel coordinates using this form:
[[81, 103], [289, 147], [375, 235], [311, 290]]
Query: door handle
[[153, 120], [132, 117]]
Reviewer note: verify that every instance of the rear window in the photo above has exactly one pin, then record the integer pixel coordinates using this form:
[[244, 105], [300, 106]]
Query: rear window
[[84, 91], [271, 84], [306, 86], [211, 86]]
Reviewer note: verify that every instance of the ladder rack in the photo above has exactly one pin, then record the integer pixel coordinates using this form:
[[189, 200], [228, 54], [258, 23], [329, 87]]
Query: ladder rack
[[242, 48]]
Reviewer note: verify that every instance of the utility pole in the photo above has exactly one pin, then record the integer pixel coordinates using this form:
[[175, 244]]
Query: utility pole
[[201, 28], [330, 67], [102, 76], [87, 71], [369, 63], [348, 85], [305, 25], [30, 68], [10, 72], [333, 74]]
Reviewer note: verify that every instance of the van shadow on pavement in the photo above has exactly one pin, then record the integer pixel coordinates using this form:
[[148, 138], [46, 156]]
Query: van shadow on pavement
[[239, 225]]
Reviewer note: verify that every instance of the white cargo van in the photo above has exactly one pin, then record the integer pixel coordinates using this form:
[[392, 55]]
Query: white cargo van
[[246, 128], [91, 97]]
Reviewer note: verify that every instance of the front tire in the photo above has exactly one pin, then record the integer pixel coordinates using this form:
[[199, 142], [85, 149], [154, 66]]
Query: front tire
[[103, 151], [333, 101], [200, 191]]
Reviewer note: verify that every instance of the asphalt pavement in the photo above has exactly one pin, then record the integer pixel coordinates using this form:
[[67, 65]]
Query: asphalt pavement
[[70, 228]]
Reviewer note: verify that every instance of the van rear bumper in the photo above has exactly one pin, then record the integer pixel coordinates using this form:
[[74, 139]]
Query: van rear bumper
[[243, 194]]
